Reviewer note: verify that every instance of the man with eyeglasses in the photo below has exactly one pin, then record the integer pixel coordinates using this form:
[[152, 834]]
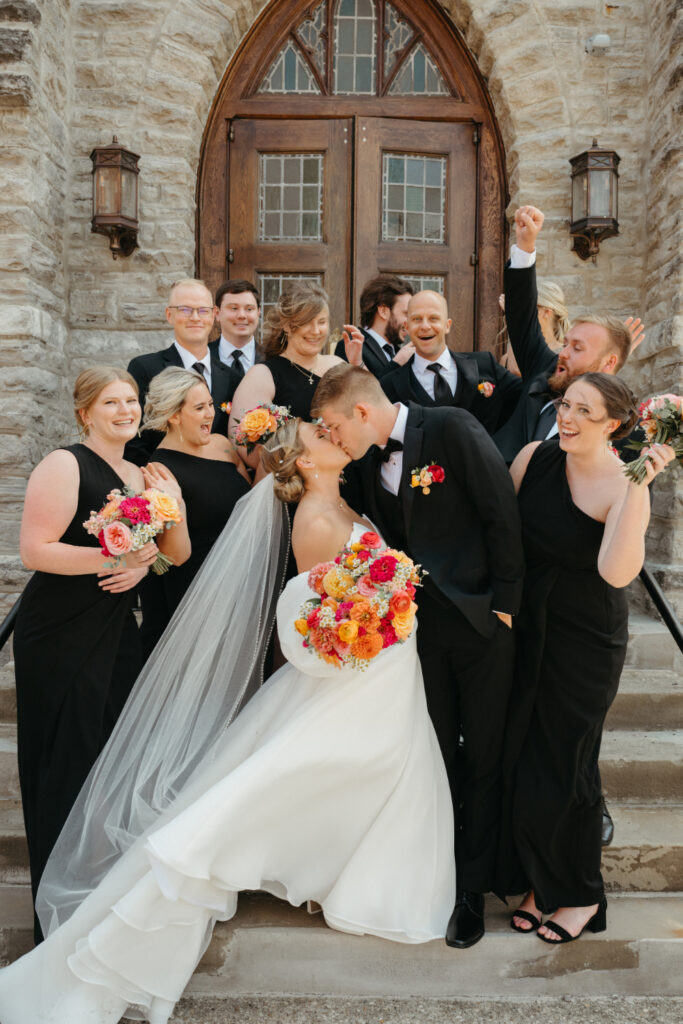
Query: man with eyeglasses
[[191, 313]]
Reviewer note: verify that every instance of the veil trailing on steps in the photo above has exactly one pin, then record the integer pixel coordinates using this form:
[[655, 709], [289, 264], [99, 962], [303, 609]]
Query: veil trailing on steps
[[207, 665]]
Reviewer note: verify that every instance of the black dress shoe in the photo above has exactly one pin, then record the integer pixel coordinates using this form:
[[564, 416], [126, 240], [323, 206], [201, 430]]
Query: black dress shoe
[[607, 825], [466, 925]]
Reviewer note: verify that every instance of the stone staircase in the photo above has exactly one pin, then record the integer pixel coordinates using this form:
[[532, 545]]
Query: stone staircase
[[271, 950]]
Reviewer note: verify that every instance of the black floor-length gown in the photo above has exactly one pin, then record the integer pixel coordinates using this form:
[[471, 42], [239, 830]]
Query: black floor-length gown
[[572, 644], [210, 488], [77, 653]]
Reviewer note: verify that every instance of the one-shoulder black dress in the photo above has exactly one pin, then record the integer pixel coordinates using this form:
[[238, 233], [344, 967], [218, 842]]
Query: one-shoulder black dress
[[294, 385], [572, 644], [211, 488], [77, 653]]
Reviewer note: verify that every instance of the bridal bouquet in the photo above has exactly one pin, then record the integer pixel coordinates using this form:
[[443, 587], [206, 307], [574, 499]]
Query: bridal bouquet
[[130, 519], [662, 420], [363, 603], [259, 424]]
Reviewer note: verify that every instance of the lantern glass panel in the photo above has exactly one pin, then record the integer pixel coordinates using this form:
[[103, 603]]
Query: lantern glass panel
[[129, 194], [580, 197], [600, 182], [107, 191]]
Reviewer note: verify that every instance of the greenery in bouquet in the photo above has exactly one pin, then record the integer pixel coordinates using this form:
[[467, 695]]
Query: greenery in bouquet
[[661, 418]]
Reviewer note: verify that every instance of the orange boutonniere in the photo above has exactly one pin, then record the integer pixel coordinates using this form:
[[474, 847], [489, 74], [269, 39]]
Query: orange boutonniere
[[425, 476], [486, 388]]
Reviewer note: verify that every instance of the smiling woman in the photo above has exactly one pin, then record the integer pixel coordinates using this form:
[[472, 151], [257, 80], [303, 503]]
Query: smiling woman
[[76, 645]]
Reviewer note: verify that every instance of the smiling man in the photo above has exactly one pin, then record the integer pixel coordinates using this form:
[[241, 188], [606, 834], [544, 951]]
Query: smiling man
[[437, 376], [238, 306], [594, 343], [191, 313]]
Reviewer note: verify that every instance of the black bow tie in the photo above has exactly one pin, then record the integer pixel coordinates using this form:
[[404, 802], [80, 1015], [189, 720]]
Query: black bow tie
[[392, 445]]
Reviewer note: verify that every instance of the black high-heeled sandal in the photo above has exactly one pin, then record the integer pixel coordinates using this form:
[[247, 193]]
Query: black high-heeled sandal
[[596, 923], [526, 915]]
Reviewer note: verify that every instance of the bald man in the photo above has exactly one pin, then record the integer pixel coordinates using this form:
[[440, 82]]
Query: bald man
[[437, 376]]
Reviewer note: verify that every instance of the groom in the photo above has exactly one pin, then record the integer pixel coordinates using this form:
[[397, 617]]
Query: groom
[[464, 530]]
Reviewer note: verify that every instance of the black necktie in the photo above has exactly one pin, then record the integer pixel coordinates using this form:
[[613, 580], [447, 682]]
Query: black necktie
[[442, 393], [237, 363], [545, 421], [392, 445], [200, 368], [389, 349]]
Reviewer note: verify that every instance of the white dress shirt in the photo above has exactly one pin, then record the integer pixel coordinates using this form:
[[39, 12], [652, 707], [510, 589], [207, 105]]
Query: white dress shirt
[[189, 360], [226, 349], [426, 377], [381, 342], [520, 260], [391, 470]]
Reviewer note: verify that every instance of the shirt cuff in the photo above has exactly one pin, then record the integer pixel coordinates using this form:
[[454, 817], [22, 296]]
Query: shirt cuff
[[519, 259]]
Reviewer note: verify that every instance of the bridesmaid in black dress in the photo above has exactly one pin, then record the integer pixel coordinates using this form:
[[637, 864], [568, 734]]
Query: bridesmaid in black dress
[[296, 334], [583, 525], [210, 473], [76, 646]]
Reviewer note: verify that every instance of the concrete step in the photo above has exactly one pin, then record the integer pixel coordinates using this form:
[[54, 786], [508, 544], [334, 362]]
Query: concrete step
[[642, 766], [648, 699], [9, 773], [271, 949], [651, 645]]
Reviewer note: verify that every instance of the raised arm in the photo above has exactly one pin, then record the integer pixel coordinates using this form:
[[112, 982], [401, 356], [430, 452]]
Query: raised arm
[[622, 551], [530, 348]]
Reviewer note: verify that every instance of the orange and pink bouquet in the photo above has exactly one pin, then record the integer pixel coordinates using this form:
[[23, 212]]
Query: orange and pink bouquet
[[259, 424], [364, 602], [130, 519], [661, 418]]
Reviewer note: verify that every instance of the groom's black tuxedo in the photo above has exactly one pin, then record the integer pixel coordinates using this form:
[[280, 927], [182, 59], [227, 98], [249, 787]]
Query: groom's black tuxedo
[[143, 368], [466, 534], [401, 385]]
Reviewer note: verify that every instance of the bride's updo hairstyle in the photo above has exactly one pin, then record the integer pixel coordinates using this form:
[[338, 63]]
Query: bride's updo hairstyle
[[279, 456], [300, 304], [167, 395], [618, 399]]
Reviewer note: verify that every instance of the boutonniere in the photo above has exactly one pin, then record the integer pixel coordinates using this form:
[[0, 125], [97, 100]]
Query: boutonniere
[[486, 388], [425, 476], [226, 407]]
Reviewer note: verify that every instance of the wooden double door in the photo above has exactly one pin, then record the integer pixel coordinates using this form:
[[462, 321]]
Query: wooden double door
[[341, 199]]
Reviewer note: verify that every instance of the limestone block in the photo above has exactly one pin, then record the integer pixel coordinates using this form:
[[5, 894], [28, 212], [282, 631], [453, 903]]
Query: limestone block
[[92, 306], [16, 90], [14, 44], [20, 10]]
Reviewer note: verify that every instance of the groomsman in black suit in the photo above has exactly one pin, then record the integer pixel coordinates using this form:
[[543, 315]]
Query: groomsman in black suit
[[436, 376], [191, 314], [594, 343], [383, 305], [464, 530], [238, 305]]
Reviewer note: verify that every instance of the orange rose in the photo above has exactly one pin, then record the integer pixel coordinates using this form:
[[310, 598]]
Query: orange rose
[[367, 646], [163, 506], [404, 622], [348, 631], [301, 626], [400, 602], [256, 423], [111, 507], [337, 581], [365, 615]]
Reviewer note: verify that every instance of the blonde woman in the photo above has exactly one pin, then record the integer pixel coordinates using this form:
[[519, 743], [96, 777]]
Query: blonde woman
[[76, 645], [211, 476]]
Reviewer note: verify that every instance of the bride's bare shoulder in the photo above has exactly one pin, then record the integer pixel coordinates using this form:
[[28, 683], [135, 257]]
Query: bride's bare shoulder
[[316, 537]]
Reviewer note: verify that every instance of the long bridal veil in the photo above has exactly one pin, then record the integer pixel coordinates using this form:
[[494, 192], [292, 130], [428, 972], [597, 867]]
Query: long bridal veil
[[206, 666]]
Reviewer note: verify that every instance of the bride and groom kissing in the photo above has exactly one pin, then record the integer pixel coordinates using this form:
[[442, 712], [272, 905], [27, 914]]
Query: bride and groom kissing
[[330, 785]]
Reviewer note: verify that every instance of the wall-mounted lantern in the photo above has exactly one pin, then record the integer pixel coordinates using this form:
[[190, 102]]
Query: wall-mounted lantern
[[115, 196], [595, 185]]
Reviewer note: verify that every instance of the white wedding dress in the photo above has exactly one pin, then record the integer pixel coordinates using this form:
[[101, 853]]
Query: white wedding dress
[[329, 787]]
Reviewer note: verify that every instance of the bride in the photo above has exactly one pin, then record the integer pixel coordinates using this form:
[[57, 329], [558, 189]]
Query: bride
[[328, 786]]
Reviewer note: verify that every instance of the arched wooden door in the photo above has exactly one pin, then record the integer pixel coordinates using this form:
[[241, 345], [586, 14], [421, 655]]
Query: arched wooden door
[[349, 138]]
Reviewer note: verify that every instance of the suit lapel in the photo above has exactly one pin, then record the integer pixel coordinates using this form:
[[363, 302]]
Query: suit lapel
[[537, 396], [171, 356], [467, 382], [417, 393], [373, 345], [412, 451]]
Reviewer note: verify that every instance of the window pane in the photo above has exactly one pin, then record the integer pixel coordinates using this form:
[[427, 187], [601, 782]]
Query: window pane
[[289, 74], [355, 40], [419, 76], [290, 211], [311, 31], [397, 35], [425, 282], [410, 210]]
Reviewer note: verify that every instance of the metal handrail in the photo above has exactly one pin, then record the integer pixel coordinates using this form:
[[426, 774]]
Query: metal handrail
[[7, 627], [662, 605]]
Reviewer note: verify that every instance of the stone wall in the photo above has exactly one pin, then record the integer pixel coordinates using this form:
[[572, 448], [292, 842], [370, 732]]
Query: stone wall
[[74, 73]]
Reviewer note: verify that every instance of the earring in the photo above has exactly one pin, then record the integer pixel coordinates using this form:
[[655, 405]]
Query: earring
[[180, 434]]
